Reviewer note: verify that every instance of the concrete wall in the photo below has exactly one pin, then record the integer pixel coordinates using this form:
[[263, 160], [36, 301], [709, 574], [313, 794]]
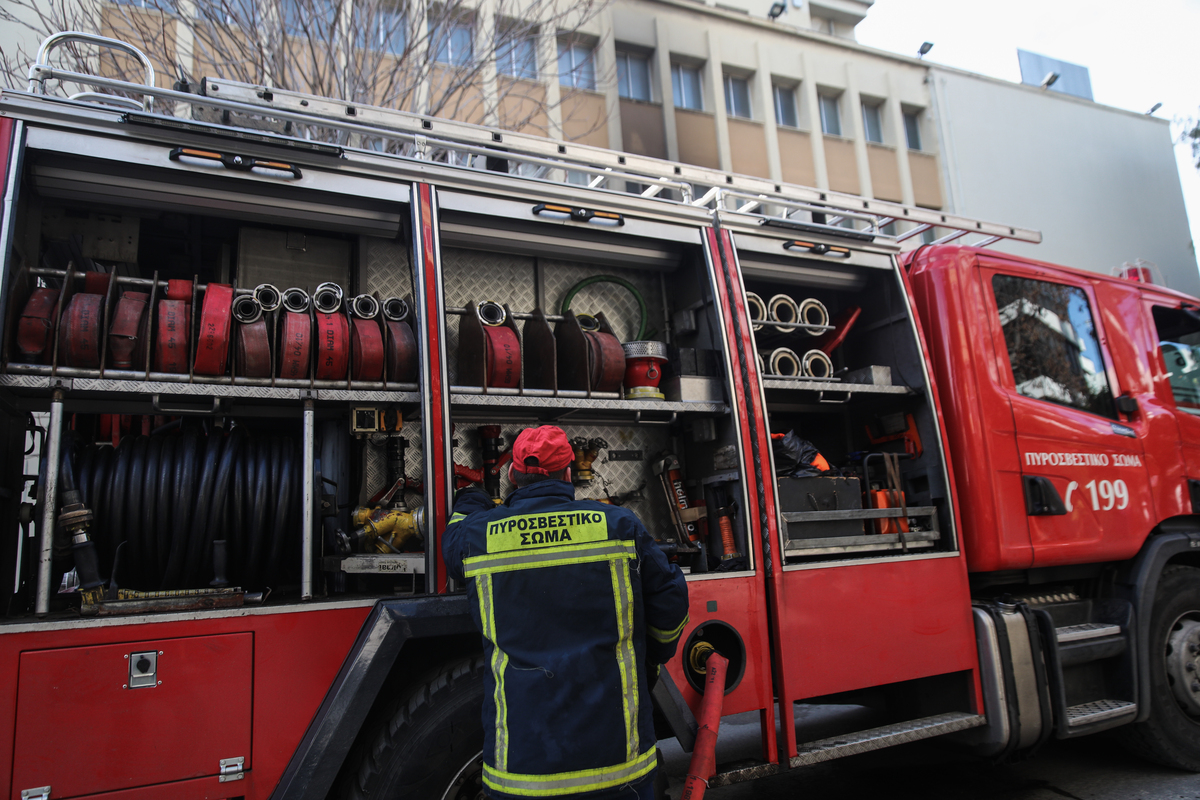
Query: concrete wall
[[1100, 183]]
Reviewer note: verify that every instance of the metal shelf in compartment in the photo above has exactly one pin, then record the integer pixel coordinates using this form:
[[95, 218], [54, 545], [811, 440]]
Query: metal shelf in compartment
[[866, 543]]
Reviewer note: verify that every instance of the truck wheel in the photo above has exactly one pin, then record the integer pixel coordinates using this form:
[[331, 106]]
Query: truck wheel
[[1171, 735], [432, 744]]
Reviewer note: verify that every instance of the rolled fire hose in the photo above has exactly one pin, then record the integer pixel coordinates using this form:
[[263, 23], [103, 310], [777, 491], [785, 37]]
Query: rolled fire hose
[[817, 364], [401, 344], [268, 297], [813, 312], [127, 334], [294, 344], [704, 762], [502, 349], [333, 345], [171, 497], [757, 310], [782, 308], [327, 298], [574, 290], [253, 343], [79, 331], [173, 328], [216, 319], [785, 363], [36, 324], [606, 357], [366, 340]]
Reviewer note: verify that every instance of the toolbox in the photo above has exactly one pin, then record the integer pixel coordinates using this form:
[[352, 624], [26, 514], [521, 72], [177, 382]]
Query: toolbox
[[802, 495]]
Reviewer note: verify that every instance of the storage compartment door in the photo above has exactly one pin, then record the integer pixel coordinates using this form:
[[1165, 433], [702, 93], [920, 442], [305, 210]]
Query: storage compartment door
[[84, 726]]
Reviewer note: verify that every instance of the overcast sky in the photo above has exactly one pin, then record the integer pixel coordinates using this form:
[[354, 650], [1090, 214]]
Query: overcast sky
[[1138, 53]]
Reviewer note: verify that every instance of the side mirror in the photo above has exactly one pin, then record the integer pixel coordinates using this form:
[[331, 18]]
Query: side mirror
[[1127, 404]]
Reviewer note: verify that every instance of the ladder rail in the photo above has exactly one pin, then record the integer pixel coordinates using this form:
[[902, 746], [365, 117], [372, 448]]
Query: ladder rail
[[466, 145]]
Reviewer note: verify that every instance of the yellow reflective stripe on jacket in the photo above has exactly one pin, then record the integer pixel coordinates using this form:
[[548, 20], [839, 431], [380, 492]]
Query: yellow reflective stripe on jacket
[[457, 516], [586, 780], [487, 613], [549, 557], [626, 659], [666, 637]]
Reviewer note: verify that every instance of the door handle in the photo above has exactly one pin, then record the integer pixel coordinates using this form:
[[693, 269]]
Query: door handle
[[1041, 498]]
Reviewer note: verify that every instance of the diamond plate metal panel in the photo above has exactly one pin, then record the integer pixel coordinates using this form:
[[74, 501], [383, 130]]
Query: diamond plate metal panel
[[886, 736], [473, 275], [619, 306], [25, 381], [1098, 710], [388, 270], [621, 476]]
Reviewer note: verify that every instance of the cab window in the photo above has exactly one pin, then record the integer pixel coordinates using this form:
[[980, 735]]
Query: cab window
[[1179, 345], [1052, 345]]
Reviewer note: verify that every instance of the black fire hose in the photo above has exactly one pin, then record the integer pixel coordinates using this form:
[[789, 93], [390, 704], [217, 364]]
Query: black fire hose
[[192, 509]]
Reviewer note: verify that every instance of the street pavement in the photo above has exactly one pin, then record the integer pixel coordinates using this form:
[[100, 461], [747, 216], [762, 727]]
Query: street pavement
[[1090, 768]]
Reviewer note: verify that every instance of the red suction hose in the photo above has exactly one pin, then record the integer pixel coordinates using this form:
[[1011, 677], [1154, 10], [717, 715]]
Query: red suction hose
[[704, 756]]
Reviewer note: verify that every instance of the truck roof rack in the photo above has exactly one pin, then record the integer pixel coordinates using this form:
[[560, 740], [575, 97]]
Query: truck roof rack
[[479, 147]]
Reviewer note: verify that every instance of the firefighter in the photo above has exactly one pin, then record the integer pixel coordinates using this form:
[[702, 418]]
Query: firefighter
[[578, 607]]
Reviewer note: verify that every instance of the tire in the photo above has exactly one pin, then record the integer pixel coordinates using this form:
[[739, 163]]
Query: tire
[[1171, 736], [430, 746]]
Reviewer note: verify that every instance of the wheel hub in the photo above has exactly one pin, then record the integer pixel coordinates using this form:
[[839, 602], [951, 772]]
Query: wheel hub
[[468, 783], [1183, 664]]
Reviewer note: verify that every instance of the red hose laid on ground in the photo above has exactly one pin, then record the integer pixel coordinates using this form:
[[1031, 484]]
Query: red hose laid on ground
[[704, 757]]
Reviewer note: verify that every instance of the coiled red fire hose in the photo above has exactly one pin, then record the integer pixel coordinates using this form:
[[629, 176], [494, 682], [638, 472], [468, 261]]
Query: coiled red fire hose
[[173, 328], [127, 334], [704, 759], [401, 352], [367, 364], [503, 357], [294, 345], [36, 324], [254, 350], [79, 331], [216, 318], [332, 346], [607, 360]]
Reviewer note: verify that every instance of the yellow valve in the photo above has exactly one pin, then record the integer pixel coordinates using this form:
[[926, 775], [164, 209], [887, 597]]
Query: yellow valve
[[698, 657], [385, 530]]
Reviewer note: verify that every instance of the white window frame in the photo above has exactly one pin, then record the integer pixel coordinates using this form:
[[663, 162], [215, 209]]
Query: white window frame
[[625, 87], [870, 110], [442, 32], [679, 89], [512, 38], [778, 90], [828, 102], [913, 118], [579, 70], [732, 84], [378, 25]]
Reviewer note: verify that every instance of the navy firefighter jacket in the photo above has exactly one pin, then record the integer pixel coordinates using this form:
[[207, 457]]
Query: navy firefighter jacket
[[574, 601]]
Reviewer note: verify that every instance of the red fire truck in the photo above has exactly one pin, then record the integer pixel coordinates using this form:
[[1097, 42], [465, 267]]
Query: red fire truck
[[254, 340]]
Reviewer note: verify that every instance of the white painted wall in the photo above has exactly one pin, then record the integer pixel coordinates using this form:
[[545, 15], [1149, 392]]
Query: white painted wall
[[1100, 183]]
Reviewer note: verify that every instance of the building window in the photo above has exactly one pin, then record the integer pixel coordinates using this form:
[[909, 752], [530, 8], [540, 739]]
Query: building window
[[315, 22], [380, 27], [1179, 346], [737, 97], [452, 39], [169, 6], [633, 76], [872, 124], [516, 51], [576, 67], [831, 117], [912, 129], [785, 106], [685, 86], [1052, 345]]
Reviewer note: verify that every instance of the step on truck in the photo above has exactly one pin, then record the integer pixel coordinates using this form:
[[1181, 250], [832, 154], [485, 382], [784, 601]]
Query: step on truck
[[253, 342]]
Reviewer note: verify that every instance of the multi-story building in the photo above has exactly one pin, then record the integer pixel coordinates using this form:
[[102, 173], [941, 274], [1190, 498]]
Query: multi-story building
[[780, 89]]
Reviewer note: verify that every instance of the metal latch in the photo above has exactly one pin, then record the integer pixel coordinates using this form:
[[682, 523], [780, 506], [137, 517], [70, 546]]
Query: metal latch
[[40, 793], [231, 769], [143, 669]]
